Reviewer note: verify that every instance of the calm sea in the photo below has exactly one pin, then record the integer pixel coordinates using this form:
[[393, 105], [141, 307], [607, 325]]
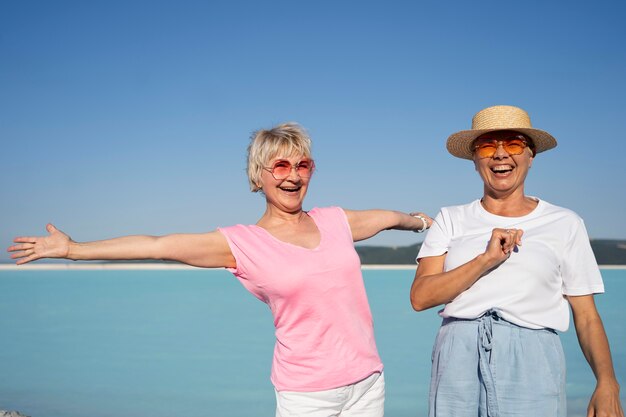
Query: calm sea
[[194, 343]]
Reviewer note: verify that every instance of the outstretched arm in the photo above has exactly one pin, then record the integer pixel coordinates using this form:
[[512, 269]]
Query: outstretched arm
[[605, 400], [209, 250], [367, 223], [432, 286]]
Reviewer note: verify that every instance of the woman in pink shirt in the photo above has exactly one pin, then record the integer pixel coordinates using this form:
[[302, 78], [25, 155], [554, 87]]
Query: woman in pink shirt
[[301, 263]]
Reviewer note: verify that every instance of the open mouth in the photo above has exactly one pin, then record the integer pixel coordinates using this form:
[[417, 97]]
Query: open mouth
[[501, 169], [290, 189]]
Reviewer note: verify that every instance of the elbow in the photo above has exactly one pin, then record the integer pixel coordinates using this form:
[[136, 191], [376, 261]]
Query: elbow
[[418, 302], [159, 249], [422, 299], [424, 293], [418, 305]]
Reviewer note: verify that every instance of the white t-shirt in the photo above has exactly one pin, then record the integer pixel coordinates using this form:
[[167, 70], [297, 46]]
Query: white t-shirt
[[555, 259]]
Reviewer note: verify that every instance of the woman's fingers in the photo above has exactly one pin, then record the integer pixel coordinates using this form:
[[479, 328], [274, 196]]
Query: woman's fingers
[[429, 220], [22, 246], [425, 219], [507, 240], [510, 239], [30, 258], [30, 248], [503, 242], [517, 235], [22, 250], [25, 239], [22, 253], [34, 239], [500, 246]]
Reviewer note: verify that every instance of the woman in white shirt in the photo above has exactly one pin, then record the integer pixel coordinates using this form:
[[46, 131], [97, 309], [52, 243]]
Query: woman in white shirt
[[497, 352]]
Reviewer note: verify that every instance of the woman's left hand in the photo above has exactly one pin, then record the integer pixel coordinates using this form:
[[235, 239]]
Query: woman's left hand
[[28, 249], [605, 402], [424, 219]]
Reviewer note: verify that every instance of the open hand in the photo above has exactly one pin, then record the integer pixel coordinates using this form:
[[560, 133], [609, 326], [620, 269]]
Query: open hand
[[28, 249]]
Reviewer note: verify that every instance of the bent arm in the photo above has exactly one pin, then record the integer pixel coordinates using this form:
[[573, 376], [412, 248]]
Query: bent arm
[[433, 286], [605, 400], [367, 223], [203, 250]]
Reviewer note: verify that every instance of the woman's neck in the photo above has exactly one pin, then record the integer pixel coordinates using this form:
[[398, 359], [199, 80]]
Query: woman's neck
[[509, 206], [276, 217]]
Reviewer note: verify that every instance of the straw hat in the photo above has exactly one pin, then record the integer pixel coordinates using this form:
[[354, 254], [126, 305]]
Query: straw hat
[[498, 118]]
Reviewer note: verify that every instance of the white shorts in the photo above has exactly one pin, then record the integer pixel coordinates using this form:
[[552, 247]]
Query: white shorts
[[366, 398]]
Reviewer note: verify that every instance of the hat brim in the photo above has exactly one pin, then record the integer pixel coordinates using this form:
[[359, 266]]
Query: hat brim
[[459, 144]]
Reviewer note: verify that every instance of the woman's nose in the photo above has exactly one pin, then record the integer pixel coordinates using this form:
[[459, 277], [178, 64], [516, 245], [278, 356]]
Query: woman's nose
[[293, 173], [500, 152]]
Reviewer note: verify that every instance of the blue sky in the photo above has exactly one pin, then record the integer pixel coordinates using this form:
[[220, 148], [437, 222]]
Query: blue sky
[[134, 117]]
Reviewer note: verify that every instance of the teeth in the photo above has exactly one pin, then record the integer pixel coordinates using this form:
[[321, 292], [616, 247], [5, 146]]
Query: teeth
[[501, 168]]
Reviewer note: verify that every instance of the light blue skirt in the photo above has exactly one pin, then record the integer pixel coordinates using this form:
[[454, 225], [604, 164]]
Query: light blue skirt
[[489, 367]]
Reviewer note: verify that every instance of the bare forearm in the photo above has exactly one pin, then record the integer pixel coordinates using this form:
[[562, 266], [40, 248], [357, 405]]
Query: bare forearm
[[403, 221], [208, 250], [122, 248], [605, 400], [434, 286], [595, 347], [430, 290], [367, 223]]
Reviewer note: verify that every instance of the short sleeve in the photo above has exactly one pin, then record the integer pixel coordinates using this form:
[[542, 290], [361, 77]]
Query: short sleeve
[[239, 253], [580, 272], [438, 238], [243, 247], [334, 220]]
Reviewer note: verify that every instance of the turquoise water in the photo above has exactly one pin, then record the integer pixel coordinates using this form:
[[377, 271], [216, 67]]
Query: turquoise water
[[195, 343]]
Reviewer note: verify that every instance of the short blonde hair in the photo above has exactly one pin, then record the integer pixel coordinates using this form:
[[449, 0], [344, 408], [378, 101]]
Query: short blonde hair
[[286, 139]]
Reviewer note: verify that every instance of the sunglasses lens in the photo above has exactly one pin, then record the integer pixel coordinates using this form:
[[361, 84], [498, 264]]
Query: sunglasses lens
[[485, 150], [514, 146], [305, 168], [511, 146], [281, 170]]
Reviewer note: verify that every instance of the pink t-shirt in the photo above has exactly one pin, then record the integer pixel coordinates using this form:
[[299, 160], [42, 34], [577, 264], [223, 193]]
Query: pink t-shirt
[[324, 329]]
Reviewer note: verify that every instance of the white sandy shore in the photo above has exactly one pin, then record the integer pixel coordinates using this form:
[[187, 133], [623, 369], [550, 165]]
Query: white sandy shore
[[173, 266]]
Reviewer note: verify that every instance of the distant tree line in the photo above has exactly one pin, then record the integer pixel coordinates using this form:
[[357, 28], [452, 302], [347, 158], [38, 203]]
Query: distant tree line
[[607, 251]]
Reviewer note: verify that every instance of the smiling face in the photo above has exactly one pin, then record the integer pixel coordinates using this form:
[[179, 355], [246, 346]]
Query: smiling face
[[286, 195], [267, 145], [503, 173]]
